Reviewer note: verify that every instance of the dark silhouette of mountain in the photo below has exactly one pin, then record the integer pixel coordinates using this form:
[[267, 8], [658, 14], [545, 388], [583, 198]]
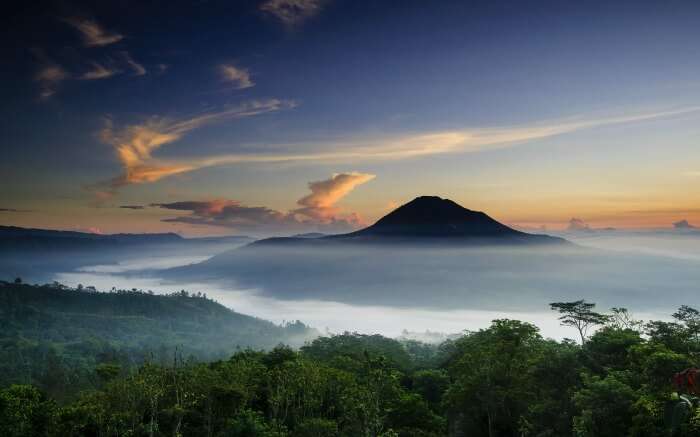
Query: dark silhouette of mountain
[[37, 254], [16, 238], [430, 220], [432, 216]]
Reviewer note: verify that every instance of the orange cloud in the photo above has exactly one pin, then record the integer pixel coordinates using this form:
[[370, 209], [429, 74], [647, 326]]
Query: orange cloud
[[425, 144], [319, 213], [320, 204], [134, 145]]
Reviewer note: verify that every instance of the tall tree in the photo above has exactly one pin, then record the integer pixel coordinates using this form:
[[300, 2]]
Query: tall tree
[[580, 315]]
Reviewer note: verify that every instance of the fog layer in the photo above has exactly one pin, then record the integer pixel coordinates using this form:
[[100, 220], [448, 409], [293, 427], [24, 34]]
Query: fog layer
[[476, 278]]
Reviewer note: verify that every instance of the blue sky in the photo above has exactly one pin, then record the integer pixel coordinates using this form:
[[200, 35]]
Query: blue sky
[[533, 111]]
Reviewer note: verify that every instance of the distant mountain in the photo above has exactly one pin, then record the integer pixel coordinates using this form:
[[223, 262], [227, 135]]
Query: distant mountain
[[432, 253], [427, 244], [36, 254], [18, 235], [431, 219], [16, 238], [310, 235]]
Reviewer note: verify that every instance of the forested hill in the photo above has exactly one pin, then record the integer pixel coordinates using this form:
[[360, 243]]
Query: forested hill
[[78, 328], [627, 379]]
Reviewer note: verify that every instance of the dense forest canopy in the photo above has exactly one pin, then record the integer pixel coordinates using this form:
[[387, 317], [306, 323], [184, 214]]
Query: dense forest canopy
[[626, 378], [54, 336]]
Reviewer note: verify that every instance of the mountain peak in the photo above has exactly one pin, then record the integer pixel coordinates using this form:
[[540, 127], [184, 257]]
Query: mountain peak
[[433, 216]]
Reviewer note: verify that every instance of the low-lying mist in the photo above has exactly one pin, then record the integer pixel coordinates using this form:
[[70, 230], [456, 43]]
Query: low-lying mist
[[485, 278], [386, 289]]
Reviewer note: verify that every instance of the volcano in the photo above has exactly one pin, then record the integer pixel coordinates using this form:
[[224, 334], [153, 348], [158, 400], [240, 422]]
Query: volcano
[[432, 220], [433, 217]]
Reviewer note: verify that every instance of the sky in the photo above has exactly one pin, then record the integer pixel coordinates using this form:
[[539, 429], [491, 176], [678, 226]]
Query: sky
[[287, 116]]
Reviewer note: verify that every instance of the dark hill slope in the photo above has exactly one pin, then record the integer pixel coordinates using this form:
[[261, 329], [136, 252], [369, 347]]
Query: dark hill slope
[[132, 319], [57, 337]]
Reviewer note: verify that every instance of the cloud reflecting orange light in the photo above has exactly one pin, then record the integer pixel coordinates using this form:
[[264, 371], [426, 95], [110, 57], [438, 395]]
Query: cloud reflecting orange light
[[134, 145]]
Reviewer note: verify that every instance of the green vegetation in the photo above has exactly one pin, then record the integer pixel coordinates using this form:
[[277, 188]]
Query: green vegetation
[[625, 379], [55, 337]]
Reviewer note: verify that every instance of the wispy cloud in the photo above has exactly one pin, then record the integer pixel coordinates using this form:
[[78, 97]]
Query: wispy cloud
[[49, 77], [292, 12], [98, 71], [319, 210], [135, 144], [93, 34], [136, 207], [406, 146], [238, 77], [136, 68]]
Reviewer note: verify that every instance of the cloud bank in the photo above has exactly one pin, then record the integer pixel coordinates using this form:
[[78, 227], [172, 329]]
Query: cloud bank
[[318, 210]]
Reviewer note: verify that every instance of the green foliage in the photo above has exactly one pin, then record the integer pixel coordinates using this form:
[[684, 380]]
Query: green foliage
[[492, 385], [608, 348], [59, 339], [24, 411], [355, 347], [605, 406], [505, 380]]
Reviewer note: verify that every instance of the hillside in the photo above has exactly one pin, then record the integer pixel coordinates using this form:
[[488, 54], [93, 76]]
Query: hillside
[[624, 379], [79, 328]]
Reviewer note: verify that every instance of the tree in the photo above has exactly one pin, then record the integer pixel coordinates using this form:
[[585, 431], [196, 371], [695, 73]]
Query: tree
[[605, 406], [493, 387], [622, 319], [580, 315], [24, 411], [690, 317]]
